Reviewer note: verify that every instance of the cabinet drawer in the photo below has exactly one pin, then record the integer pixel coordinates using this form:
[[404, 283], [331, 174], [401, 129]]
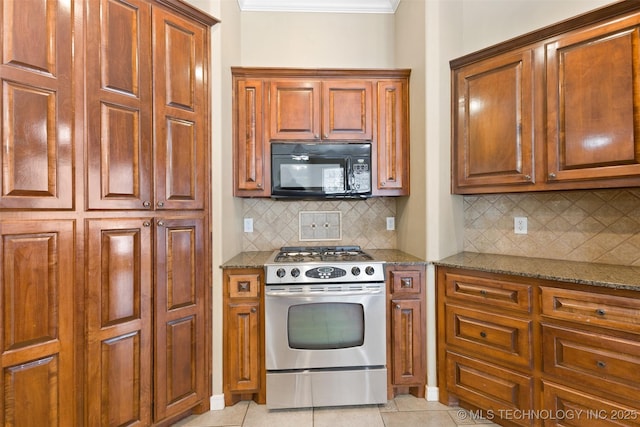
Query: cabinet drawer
[[502, 338], [596, 309], [592, 360], [492, 292], [244, 285], [572, 408], [488, 386], [406, 281]]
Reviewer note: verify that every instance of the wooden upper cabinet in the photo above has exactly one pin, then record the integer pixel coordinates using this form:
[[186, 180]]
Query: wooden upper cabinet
[[392, 148], [335, 110], [119, 99], [180, 111], [593, 98], [493, 122], [36, 153], [251, 151]]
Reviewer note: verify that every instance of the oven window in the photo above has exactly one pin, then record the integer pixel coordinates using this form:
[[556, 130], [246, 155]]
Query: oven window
[[326, 326]]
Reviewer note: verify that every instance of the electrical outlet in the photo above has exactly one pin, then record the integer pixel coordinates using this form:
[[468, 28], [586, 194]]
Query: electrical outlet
[[248, 225], [520, 225], [391, 223]]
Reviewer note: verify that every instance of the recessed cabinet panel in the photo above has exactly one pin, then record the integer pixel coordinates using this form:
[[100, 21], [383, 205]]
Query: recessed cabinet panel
[[181, 360], [593, 124], [250, 149], [295, 111], [347, 110], [493, 121], [33, 51]]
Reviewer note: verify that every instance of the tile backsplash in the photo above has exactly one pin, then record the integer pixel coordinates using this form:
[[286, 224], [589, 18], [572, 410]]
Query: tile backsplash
[[594, 226], [276, 223]]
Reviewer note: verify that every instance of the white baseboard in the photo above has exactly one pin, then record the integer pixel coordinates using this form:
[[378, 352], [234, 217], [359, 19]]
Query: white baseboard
[[432, 394], [217, 402]]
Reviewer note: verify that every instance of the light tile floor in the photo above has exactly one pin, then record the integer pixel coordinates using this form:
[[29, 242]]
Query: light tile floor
[[403, 411]]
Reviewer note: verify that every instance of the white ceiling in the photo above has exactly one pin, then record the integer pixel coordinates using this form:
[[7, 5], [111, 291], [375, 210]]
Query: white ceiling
[[340, 6]]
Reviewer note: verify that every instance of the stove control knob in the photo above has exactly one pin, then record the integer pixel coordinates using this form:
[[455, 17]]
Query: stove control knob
[[355, 271], [295, 272], [369, 270], [280, 272]]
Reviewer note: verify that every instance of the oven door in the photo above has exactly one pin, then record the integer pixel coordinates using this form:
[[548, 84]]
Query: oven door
[[311, 327]]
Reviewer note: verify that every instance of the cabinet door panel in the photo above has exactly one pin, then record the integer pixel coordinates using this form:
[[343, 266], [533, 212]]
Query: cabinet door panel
[[393, 143], [119, 126], [347, 110], [243, 347], [593, 94], [408, 342], [251, 154], [119, 284], [493, 122], [36, 327], [179, 316], [36, 153], [295, 112], [180, 112]]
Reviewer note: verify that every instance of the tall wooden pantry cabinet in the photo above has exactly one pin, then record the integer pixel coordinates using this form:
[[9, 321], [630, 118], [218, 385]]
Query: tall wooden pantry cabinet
[[104, 203]]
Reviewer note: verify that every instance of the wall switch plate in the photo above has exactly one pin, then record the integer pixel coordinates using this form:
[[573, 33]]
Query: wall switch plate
[[248, 225], [520, 225], [391, 223]]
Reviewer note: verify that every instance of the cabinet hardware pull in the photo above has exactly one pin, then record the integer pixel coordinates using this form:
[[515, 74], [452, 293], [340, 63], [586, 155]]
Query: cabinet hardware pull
[[600, 312], [383, 183], [483, 334], [160, 204], [259, 185], [253, 309], [161, 223], [601, 364], [146, 224], [398, 306], [483, 292], [406, 282], [146, 203], [552, 175], [527, 177], [243, 286]]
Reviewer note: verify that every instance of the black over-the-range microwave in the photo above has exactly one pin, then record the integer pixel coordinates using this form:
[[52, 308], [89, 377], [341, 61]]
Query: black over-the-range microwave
[[320, 170]]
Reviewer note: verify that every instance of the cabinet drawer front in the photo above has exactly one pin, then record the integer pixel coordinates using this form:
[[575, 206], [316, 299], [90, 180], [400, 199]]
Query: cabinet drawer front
[[244, 285], [596, 309], [489, 387], [491, 335], [407, 282], [605, 363], [493, 292], [576, 409]]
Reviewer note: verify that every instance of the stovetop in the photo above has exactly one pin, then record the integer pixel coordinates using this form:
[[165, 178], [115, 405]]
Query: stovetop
[[322, 264]]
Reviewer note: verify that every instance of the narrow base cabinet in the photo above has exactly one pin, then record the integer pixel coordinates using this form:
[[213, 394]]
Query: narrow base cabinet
[[406, 330], [104, 212], [244, 371], [529, 352]]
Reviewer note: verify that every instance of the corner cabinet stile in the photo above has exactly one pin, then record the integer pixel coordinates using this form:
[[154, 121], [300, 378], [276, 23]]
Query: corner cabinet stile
[[105, 270], [554, 109], [304, 105]]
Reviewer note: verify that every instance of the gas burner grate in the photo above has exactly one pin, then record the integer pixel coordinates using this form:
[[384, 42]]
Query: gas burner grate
[[321, 253]]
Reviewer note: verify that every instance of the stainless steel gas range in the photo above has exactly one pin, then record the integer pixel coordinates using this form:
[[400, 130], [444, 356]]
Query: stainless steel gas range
[[325, 328]]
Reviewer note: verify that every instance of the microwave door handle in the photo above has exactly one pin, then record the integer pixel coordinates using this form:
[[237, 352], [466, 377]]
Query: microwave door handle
[[351, 180]]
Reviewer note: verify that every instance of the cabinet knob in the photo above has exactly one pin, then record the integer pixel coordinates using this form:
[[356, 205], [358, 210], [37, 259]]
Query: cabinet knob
[[483, 334], [552, 175], [160, 204], [601, 364], [600, 312], [258, 185], [161, 223], [146, 224], [253, 309], [483, 292], [527, 177], [383, 183], [146, 203], [398, 306]]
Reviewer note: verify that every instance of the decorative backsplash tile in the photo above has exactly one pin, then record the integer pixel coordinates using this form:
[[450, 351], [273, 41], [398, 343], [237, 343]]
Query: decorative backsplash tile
[[277, 223], [319, 225], [594, 226]]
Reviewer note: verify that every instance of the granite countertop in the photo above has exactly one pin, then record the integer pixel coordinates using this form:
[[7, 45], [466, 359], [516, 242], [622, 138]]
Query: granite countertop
[[257, 259], [586, 273]]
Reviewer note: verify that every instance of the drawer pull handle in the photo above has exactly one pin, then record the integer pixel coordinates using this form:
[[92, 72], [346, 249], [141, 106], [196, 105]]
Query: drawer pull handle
[[243, 286], [483, 334], [601, 364], [406, 282], [600, 312]]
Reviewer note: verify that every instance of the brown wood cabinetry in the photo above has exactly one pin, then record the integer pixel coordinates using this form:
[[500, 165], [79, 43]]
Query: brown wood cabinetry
[[315, 106], [107, 287], [551, 110], [509, 344], [406, 330], [243, 370]]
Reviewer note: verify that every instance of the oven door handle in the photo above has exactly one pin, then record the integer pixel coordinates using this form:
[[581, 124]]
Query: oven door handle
[[321, 293]]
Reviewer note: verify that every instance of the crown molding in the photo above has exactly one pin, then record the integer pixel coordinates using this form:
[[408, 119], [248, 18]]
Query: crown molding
[[333, 6]]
